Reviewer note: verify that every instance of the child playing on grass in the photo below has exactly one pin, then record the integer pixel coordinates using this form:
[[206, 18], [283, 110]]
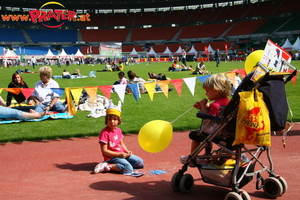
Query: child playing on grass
[[116, 155], [217, 89]]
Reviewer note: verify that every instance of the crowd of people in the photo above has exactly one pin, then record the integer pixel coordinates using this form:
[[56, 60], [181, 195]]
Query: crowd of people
[[116, 157]]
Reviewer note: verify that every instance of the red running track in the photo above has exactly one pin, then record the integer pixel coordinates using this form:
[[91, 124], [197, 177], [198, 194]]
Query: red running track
[[61, 169]]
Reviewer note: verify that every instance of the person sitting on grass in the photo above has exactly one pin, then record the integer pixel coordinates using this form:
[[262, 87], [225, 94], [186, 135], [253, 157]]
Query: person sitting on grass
[[16, 82], [44, 98], [76, 73], [66, 74], [116, 155], [6, 112], [157, 76]]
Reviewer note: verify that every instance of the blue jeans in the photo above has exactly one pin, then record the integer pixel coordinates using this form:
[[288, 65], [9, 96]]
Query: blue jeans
[[10, 113], [58, 106], [126, 165]]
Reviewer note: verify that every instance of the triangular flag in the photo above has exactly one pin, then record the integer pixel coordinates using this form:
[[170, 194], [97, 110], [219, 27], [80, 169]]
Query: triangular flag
[[242, 72], [120, 90], [13, 90], [71, 106], [231, 76], [27, 92], [293, 79], [106, 90], [1, 90], [203, 78], [150, 87], [178, 85], [76, 93], [135, 90], [164, 85], [191, 83], [92, 92], [58, 91]]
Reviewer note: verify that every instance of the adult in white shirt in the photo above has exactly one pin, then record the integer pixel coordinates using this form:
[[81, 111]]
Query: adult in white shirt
[[45, 99], [33, 62], [183, 57]]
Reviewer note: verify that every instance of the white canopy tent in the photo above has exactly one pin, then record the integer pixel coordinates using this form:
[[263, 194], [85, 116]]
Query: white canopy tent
[[166, 52], [63, 54], [10, 55], [152, 52], [193, 51], [210, 49], [179, 51], [78, 54], [134, 53], [296, 45], [287, 45], [50, 54]]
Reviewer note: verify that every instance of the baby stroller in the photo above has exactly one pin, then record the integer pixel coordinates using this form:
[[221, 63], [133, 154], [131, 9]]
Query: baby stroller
[[242, 158]]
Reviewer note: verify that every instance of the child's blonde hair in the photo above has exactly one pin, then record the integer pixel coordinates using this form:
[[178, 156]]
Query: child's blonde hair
[[219, 83]]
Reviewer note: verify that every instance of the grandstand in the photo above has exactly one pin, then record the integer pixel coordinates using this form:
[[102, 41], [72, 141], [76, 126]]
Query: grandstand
[[241, 25]]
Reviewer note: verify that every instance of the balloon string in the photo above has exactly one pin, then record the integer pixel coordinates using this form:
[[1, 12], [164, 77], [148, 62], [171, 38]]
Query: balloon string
[[182, 114]]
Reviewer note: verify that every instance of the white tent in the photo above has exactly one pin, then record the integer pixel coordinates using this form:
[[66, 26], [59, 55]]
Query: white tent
[[152, 52], [179, 51], [10, 55], [193, 51], [166, 52], [50, 54], [210, 49], [78, 54], [63, 54], [134, 53], [287, 45], [296, 45]]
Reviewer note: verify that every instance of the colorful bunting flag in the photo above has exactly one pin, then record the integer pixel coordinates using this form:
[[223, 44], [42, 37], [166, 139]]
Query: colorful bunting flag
[[106, 90], [191, 83], [71, 106], [135, 90], [164, 85], [120, 90], [13, 90], [203, 78], [150, 87], [92, 92], [178, 85], [231, 77], [27, 92], [76, 94], [59, 91]]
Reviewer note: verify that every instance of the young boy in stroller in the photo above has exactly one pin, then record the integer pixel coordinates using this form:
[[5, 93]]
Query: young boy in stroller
[[217, 88], [220, 129]]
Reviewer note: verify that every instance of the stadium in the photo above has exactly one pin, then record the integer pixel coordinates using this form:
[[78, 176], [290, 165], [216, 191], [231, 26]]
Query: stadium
[[156, 29]]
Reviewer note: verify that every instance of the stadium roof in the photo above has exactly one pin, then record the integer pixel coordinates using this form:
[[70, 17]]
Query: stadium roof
[[110, 4]]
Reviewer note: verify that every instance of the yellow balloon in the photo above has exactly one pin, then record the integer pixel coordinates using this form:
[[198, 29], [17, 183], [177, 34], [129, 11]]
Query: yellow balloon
[[155, 136], [252, 59]]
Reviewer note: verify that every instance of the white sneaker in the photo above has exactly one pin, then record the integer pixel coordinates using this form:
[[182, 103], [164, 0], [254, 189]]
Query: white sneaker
[[183, 160], [102, 167]]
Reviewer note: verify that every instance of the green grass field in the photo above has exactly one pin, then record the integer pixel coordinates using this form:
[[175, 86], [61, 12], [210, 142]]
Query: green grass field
[[134, 114]]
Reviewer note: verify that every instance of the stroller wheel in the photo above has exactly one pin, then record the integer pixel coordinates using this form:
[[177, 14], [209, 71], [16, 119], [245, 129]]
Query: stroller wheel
[[233, 196], [284, 184], [176, 182], [272, 187], [186, 183]]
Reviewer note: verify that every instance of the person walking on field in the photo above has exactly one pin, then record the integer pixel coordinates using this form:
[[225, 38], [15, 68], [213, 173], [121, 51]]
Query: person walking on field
[[217, 57], [33, 62]]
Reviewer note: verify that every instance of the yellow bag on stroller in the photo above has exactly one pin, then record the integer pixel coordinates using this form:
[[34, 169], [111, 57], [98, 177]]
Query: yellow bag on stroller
[[253, 121]]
